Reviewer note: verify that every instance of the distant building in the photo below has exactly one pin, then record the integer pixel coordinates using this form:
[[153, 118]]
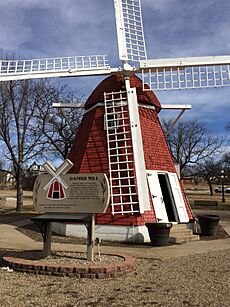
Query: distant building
[[10, 180], [31, 174], [35, 169]]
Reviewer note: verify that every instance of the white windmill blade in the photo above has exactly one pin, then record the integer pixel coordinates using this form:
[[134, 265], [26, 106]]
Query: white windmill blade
[[54, 67], [55, 174], [186, 73], [64, 167], [130, 34]]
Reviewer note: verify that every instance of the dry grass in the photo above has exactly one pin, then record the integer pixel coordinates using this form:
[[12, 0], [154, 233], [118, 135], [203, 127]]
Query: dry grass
[[201, 192]]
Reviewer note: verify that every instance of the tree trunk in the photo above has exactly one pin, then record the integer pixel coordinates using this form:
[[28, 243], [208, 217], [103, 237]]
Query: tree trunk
[[19, 177], [210, 188]]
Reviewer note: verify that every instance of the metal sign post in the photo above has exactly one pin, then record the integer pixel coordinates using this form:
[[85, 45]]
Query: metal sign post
[[90, 239]]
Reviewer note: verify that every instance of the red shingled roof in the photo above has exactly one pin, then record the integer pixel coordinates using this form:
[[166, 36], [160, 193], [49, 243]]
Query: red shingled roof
[[116, 83]]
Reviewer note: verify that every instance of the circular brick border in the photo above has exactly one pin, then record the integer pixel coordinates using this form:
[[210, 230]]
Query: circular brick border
[[91, 270]]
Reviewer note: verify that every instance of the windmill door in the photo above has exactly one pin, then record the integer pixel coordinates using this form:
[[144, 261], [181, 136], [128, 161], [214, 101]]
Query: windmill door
[[157, 197], [167, 198], [178, 198]]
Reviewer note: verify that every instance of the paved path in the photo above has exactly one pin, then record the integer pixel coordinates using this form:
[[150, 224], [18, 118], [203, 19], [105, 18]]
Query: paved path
[[11, 238]]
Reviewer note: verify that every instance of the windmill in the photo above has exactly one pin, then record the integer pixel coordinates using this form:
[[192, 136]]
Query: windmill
[[157, 74]]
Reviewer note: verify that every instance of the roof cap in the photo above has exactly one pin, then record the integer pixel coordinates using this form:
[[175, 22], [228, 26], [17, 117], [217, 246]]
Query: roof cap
[[116, 83]]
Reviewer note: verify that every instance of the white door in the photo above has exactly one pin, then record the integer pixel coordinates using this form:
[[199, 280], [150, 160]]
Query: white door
[[157, 197], [178, 197]]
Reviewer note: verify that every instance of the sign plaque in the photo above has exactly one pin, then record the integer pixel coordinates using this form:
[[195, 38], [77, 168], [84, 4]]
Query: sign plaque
[[71, 193], [57, 193]]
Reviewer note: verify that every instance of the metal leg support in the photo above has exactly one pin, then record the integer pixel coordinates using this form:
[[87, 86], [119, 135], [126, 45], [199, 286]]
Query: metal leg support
[[90, 239], [47, 239], [46, 231]]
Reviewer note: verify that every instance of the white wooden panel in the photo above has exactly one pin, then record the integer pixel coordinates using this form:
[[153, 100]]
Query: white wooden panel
[[138, 152], [178, 197], [157, 197]]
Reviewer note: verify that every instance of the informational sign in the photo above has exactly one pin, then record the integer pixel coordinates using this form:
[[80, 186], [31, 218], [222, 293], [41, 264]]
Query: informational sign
[[76, 193]]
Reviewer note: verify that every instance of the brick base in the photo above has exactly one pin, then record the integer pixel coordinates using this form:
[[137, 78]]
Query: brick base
[[92, 270]]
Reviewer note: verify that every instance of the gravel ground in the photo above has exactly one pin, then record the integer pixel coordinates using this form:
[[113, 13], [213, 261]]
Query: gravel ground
[[64, 257], [201, 280]]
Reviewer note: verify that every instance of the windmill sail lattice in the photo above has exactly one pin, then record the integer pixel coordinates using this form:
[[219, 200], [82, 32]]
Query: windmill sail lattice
[[158, 74], [53, 67], [130, 32], [186, 73]]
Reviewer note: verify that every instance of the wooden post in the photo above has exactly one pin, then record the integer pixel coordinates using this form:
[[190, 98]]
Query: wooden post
[[90, 239], [47, 239]]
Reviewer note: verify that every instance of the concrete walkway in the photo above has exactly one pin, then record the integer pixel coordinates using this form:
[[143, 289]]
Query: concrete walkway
[[11, 238]]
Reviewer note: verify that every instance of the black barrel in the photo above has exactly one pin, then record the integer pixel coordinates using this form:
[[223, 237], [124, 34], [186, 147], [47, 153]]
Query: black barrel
[[208, 224], [159, 233]]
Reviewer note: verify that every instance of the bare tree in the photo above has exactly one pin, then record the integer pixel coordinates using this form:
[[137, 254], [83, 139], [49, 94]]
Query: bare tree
[[58, 126], [191, 143], [20, 139], [3, 173], [209, 170]]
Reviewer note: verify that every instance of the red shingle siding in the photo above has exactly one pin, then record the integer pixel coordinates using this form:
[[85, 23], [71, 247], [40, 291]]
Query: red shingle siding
[[89, 152], [126, 219], [89, 155], [156, 151]]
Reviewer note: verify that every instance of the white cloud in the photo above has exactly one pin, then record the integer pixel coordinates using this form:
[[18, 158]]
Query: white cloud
[[187, 28], [27, 23]]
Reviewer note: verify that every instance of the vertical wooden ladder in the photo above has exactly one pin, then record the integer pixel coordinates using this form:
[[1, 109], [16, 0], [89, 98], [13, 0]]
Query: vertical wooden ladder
[[124, 197]]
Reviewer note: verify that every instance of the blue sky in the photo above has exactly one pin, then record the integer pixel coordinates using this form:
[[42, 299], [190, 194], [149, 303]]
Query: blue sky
[[173, 28]]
